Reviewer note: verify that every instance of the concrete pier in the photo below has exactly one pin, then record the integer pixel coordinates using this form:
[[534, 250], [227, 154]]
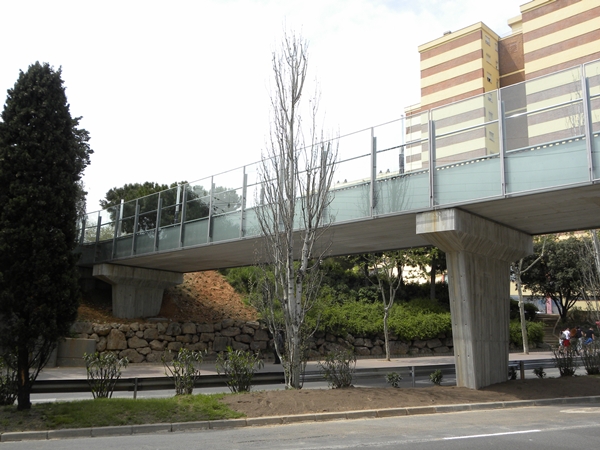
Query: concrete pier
[[478, 255], [136, 292]]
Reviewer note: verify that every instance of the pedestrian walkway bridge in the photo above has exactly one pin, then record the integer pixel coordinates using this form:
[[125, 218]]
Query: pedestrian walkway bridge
[[526, 156]]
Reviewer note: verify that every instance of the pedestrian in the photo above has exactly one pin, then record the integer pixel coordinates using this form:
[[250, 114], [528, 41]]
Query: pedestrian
[[589, 336], [565, 337]]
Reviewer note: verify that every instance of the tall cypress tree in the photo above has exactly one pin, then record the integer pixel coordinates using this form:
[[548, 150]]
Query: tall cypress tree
[[42, 156]]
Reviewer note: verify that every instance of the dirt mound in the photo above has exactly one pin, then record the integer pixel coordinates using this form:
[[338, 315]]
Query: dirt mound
[[203, 297]]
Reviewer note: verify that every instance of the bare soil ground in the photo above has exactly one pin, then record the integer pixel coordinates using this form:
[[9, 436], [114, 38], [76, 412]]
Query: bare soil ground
[[203, 297], [206, 297], [306, 401]]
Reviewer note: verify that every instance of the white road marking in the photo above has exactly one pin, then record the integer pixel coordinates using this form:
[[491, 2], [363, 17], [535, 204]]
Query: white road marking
[[493, 434]]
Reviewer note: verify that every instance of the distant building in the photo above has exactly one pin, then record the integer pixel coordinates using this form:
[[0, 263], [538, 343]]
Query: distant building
[[548, 36]]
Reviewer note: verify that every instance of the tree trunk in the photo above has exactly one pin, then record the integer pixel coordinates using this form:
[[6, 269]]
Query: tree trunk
[[23, 393], [432, 279], [386, 334], [522, 311]]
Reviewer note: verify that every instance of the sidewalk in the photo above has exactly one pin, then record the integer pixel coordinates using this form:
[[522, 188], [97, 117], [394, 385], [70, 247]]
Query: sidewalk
[[144, 370]]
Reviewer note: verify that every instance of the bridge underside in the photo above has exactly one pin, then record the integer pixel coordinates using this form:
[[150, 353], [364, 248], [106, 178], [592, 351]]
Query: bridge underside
[[575, 208]]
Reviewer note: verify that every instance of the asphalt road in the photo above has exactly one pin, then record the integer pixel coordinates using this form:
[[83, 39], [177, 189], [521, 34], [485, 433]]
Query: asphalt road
[[551, 427]]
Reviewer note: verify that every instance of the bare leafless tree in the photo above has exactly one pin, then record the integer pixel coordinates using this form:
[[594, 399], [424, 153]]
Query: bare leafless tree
[[296, 174], [590, 254], [517, 269], [387, 268]]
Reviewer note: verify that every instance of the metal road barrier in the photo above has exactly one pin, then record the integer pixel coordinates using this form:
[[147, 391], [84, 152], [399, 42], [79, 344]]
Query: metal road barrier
[[206, 381]]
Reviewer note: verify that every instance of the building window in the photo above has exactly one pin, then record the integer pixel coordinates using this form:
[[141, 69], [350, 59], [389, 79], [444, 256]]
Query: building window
[[491, 135], [496, 46], [488, 58], [489, 97], [487, 40], [490, 116], [489, 77]]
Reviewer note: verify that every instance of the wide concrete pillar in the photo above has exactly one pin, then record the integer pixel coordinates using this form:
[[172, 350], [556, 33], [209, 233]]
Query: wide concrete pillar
[[136, 292], [478, 256]]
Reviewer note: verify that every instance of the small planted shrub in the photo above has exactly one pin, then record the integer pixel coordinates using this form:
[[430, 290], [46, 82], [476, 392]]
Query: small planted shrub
[[239, 366], [103, 371], [539, 372], [590, 357], [566, 360], [8, 381], [394, 379], [436, 377], [338, 368], [512, 373], [183, 369]]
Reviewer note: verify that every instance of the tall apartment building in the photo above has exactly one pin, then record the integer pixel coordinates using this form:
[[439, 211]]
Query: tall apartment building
[[548, 36]]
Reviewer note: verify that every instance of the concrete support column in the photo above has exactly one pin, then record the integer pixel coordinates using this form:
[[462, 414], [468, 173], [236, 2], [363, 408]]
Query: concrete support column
[[478, 256], [136, 292]]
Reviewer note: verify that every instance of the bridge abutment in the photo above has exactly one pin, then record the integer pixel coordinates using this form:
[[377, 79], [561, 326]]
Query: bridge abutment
[[136, 292], [478, 255]]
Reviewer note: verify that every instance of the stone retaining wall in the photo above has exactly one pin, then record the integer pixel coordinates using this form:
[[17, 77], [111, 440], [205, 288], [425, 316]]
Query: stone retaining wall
[[147, 342]]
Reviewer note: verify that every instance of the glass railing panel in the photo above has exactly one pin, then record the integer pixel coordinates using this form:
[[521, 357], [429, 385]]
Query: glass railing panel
[[354, 145], [195, 232], [592, 74], [595, 114], [226, 226], [123, 246], [227, 200], [170, 215], [171, 196], [350, 201], [148, 203], [168, 237], [198, 208], [553, 89], [147, 221], [144, 242], [390, 135], [467, 166], [104, 251], [352, 171], [406, 192], [466, 113], [251, 224]]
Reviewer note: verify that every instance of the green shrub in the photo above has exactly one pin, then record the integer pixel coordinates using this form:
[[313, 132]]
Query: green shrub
[[183, 369], [338, 368], [103, 371], [394, 379], [436, 377], [566, 360], [239, 366], [539, 372], [590, 357], [421, 319], [530, 310], [535, 333], [8, 381]]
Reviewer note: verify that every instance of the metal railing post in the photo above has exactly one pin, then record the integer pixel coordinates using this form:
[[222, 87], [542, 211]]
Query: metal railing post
[[502, 143], [243, 205], [157, 227], [587, 122], [135, 226], [373, 192], [210, 210], [182, 221], [431, 129]]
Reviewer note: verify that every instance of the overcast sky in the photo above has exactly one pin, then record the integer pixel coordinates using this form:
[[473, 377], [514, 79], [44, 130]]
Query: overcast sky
[[179, 90]]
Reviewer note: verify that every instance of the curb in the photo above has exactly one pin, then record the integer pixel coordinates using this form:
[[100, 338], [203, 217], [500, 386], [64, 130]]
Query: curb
[[128, 430]]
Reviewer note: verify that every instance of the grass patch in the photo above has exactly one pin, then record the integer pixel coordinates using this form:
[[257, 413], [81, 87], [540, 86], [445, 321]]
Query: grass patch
[[115, 411]]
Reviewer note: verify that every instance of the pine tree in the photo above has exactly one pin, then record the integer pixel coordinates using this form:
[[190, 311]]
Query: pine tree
[[42, 156]]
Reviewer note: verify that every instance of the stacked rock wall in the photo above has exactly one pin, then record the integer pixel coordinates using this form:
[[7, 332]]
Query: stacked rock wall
[[147, 342]]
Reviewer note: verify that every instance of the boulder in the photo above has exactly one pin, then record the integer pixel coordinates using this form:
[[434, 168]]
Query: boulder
[[116, 340]]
